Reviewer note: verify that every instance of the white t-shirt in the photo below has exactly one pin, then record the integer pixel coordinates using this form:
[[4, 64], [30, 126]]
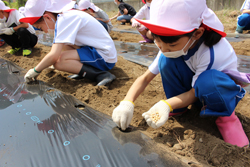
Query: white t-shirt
[[245, 5], [144, 13], [13, 20], [75, 27], [224, 59]]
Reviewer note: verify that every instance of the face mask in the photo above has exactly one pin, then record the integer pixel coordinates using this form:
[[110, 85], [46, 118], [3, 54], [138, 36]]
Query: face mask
[[49, 36], [50, 31], [148, 4], [3, 20], [178, 53], [115, 2]]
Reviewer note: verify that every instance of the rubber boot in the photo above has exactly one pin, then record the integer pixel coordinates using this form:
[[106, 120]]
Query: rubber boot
[[146, 39], [103, 78], [232, 130]]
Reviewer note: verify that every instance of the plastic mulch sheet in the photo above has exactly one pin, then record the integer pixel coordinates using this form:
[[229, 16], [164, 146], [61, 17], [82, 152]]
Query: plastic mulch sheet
[[43, 127]]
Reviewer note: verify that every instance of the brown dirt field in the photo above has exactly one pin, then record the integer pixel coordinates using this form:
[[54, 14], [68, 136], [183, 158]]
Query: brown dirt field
[[193, 139]]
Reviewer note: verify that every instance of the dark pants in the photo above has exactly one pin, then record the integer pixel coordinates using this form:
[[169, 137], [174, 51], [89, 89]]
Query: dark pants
[[22, 38]]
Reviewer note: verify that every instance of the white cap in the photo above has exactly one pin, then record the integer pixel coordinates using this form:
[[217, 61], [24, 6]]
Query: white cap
[[5, 8], [21, 9], [85, 4], [178, 17], [2, 6], [34, 9]]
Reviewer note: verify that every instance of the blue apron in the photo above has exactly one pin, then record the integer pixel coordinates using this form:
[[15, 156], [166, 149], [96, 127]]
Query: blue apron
[[216, 90]]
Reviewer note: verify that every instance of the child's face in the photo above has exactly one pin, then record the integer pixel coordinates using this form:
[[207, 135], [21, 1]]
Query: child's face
[[148, 1], [43, 26], [1, 14], [175, 46]]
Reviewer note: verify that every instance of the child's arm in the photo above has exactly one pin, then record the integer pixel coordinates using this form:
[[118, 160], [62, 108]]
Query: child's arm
[[122, 114], [51, 57], [157, 115], [48, 60], [11, 30], [139, 85], [246, 11], [125, 11], [183, 100], [118, 14], [24, 25]]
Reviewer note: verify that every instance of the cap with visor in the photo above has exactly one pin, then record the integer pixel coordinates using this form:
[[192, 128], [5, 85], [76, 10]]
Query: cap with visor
[[5, 8], [34, 9], [85, 4], [178, 17]]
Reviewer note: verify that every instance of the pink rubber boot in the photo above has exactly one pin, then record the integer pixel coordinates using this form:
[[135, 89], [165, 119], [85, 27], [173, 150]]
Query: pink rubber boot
[[232, 130]]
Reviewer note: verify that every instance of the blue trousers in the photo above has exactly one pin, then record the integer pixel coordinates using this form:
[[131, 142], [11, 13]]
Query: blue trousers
[[216, 90], [126, 17], [244, 21]]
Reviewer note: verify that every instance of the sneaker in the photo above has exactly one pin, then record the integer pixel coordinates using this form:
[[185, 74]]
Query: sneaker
[[13, 51], [122, 23], [27, 52]]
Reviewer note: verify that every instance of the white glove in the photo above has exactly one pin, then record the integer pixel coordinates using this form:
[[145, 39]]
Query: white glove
[[135, 24], [158, 114], [31, 75], [8, 31], [141, 28], [122, 114]]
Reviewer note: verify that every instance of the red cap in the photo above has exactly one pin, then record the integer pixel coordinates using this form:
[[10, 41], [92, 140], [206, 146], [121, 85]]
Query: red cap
[[9, 10], [30, 20]]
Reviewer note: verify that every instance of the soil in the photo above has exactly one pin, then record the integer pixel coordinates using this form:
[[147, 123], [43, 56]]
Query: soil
[[195, 140]]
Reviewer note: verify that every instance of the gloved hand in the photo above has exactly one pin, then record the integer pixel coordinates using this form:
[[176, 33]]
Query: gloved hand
[[122, 114], [135, 24], [8, 31], [31, 75], [141, 28], [158, 114]]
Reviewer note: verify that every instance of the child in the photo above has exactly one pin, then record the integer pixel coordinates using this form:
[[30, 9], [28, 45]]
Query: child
[[143, 14], [192, 59], [89, 50], [99, 14], [125, 13], [16, 34], [244, 19]]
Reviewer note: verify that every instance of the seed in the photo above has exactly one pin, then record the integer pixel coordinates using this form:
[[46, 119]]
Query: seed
[[155, 117]]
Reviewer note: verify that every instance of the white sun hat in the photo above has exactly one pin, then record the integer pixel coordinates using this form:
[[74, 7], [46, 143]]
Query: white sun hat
[[85, 4], [34, 9], [178, 17], [5, 8]]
